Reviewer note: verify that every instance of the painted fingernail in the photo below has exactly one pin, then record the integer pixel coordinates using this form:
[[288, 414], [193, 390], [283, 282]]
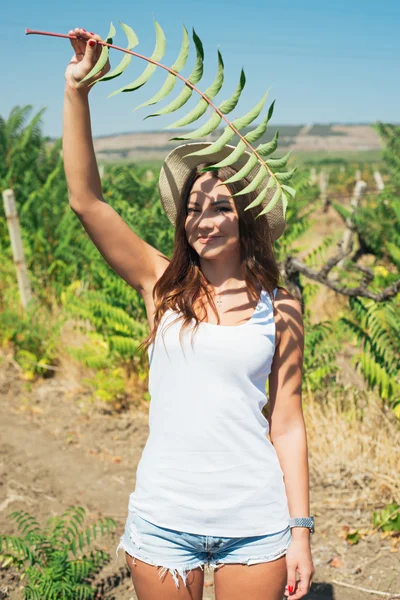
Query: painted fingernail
[[290, 588], [92, 43], [84, 29], [91, 33]]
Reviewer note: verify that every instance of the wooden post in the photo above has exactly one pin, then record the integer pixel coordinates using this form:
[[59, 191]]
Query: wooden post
[[379, 181], [10, 210], [323, 186], [359, 191], [149, 175], [313, 175]]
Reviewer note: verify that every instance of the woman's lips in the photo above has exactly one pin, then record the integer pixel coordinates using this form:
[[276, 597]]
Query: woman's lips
[[208, 240]]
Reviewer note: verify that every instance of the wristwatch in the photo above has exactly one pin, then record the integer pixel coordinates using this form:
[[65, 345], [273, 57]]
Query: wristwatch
[[302, 522]]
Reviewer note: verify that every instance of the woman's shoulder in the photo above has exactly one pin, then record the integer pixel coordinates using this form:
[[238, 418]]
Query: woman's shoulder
[[282, 295], [288, 309]]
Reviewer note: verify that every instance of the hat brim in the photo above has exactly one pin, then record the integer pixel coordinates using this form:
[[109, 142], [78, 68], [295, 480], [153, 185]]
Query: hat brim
[[178, 166]]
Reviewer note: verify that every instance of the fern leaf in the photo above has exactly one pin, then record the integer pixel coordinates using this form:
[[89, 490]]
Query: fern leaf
[[257, 155]]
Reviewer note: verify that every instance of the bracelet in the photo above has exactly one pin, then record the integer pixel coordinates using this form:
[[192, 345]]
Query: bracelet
[[302, 522]]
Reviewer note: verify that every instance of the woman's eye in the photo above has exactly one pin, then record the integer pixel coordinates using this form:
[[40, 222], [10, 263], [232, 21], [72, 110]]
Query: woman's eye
[[223, 208]]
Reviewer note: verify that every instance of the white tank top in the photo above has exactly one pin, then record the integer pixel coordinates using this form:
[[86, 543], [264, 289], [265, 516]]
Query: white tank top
[[208, 466]]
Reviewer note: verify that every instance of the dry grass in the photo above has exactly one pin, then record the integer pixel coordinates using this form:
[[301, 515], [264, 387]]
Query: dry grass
[[354, 445]]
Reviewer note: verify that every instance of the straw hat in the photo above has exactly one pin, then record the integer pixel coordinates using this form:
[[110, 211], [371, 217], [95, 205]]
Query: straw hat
[[177, 167]]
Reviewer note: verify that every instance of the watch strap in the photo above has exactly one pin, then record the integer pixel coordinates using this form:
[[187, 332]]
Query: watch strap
[[302, 522]]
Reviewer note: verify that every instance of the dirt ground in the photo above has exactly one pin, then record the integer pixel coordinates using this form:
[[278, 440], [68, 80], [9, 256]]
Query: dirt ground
[[58, 449]]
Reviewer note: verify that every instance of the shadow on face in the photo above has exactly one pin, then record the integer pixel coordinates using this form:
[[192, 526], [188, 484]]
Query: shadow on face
[[212, 214]]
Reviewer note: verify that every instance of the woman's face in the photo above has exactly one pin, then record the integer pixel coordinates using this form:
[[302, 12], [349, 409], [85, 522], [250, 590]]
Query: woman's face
[[211, 213]]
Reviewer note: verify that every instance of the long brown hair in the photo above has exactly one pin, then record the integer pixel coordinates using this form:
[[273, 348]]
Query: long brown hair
[[183, 283]]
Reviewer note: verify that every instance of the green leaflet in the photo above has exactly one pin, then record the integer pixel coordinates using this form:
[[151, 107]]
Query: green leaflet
[[171, 79], [166, 88], [285, 177], [103, 56], [217, 145], [253, 185], [228, 105], [251, 115], [284, 203], [120, 68], [216, 85], [232, 158], [258, 200], [207, 128], [265, 150], [254, 135], [193, 115], [183, 53], [157, 55], [278, 163], [197, 72], [187, 91], [291, 191], [179, 101], [244, 171], [274, 200]]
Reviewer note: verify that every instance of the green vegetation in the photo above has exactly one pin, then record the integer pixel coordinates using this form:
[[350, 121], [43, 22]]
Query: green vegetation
[[71, 280], [48, 558]]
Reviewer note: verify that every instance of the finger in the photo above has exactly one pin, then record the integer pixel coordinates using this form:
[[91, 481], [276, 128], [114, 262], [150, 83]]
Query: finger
[[302, 587], [74, 42], [81, 38], [95, 36], [90, 58], [291, 579]]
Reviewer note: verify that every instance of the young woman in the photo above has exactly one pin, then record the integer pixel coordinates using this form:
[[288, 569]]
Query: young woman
[[211, 488]]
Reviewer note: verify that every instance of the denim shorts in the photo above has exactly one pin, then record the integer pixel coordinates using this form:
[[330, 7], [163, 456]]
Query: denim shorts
[[178, 552]]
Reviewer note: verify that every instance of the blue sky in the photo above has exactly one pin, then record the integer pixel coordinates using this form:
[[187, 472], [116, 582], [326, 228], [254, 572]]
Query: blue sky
[[323, 61]]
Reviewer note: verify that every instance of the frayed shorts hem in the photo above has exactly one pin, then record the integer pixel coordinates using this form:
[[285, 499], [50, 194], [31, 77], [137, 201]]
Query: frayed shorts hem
[[175, 571], [185, 570]]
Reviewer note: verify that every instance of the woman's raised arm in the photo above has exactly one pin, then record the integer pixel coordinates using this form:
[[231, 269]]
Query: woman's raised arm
[[136, 261]]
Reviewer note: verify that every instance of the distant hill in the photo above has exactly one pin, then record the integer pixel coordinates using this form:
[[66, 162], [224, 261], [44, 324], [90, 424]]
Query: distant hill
[[300, 138]]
